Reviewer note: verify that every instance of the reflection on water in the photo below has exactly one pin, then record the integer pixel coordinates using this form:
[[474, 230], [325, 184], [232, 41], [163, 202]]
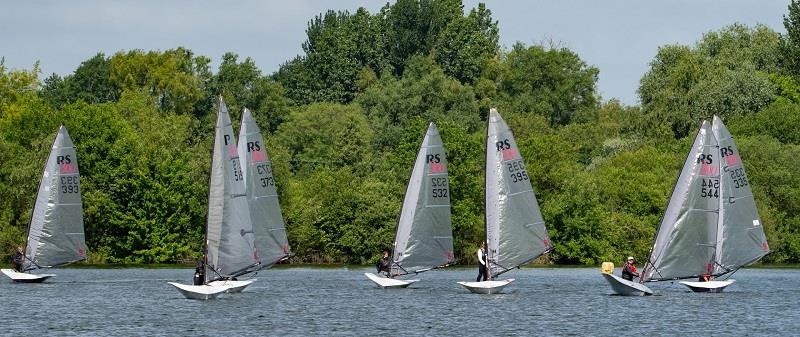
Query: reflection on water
[[305, 301]]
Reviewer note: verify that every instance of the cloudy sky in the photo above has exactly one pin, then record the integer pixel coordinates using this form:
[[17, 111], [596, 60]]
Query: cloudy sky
[[620, 37]]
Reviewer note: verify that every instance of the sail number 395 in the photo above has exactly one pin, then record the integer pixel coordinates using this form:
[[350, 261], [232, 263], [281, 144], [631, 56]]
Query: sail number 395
[[517, 171]]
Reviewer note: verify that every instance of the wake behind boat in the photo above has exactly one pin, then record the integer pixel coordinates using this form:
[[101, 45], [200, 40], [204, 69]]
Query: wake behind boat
[[424, 239], [55, 234], [515, 230]]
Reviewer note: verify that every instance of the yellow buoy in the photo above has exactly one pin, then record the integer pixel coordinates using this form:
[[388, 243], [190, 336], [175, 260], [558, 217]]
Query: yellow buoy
[[607, 267]]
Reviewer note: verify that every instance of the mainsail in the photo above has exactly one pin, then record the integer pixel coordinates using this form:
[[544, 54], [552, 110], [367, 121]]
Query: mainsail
[[515, 230], [741, 238], [229, 232], [687, 237], [424, 235], [56, 234], [271, 244]]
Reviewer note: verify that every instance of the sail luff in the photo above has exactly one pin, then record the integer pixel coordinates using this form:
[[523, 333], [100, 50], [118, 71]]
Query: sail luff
[[515, 229], [56, 232], [229, 238], [741, 235], [686, 239], [271, 242], [424, 238]]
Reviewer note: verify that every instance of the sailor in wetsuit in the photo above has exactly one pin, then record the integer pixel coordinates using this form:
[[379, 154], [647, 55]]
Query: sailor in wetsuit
[[200, 272], [17, 259], [384, 265], [482, 272], [629, 270]]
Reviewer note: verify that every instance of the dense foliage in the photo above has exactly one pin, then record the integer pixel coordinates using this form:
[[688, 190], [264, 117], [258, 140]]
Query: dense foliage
[[344, 120]]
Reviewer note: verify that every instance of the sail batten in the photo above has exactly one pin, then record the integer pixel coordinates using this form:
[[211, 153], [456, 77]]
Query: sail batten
[[271, 242], [56, 232], [515, 229], [424, 238], [229, 229]]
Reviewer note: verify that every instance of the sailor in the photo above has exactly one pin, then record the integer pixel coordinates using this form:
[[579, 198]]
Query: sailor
[[705, 277], [385, 263], [629, 270], [17, 259], [482, 274], [200, 272]]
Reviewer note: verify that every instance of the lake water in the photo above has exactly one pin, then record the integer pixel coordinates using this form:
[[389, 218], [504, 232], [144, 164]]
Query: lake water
[[310, 301]]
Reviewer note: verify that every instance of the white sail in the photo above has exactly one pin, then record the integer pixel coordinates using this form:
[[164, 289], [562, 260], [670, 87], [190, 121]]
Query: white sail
[[229, 232], [424, 237], [515, 230], [269, 230], [741, 238], [687, 237], [56, 233]]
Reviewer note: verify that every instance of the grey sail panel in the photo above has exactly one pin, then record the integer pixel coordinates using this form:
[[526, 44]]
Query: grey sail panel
[[271, 243], [741, 236], [424, 233], [686, 239], [56, 233], [515, 229], [229, 233]]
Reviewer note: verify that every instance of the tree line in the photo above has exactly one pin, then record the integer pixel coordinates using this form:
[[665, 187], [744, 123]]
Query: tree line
[[343, 123]]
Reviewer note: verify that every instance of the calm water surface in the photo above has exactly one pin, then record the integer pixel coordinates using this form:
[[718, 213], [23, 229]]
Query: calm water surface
[[307, 301]]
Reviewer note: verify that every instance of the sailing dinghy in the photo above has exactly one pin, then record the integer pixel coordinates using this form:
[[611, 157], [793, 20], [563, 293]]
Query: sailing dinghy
[[230, 250], [55, 234], [271, 244], [740, 238], [515, 230], [711, 226], [424, 239]]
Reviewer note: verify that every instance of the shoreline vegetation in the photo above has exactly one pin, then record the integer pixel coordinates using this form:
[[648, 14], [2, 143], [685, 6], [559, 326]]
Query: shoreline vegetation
[[342, 124]]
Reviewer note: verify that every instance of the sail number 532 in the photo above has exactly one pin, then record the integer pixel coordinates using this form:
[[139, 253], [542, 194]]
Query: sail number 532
[[439, 187]]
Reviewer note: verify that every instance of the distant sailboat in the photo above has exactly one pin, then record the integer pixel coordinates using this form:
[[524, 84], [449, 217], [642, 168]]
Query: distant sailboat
[[515, 230], [229, 233], [55, 234], [424, 239], [711, 225]]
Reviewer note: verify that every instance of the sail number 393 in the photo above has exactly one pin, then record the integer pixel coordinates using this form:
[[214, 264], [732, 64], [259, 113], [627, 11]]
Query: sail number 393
[[439, 187]]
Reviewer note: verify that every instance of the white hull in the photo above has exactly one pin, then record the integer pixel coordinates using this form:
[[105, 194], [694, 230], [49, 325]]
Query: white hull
[[25, 277], [202, 292], [707, 287], [626, 288], [233, 286], [388, 283], [486, 287]]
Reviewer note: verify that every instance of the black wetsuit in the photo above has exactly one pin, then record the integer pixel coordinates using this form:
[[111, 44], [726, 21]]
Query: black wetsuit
[[482, 272], [384, 265], [200, 273], [16, 261]]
